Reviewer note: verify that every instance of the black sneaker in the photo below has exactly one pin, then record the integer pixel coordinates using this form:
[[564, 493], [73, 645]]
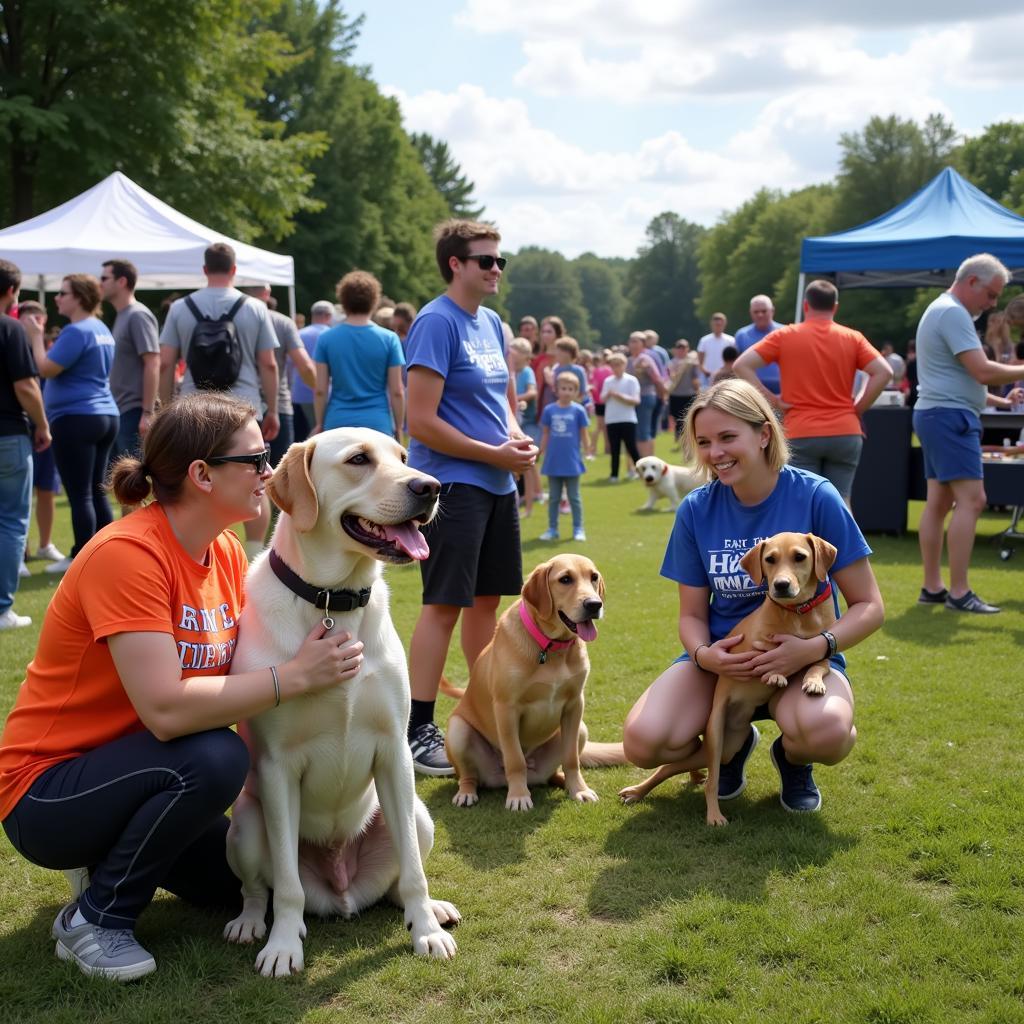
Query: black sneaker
[[732, 778], [798, 792], [932, 596], [428, 757], [970, 602]]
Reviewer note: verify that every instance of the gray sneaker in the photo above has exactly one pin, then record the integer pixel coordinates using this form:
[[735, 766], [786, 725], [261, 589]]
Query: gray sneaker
[[428, 755], [112, 953]]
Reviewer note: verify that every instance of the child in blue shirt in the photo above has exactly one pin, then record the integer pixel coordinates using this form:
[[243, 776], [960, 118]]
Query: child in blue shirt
[[565, 435]]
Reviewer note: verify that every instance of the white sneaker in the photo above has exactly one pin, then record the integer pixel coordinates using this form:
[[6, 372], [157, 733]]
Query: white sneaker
[[579, 535], [62, 566], [23, 571], [10, 620], [49, 553]]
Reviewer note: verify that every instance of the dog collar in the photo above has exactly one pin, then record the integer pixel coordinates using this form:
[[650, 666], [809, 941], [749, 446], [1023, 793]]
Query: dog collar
[[320, 597], [545, 643], [807, 605]]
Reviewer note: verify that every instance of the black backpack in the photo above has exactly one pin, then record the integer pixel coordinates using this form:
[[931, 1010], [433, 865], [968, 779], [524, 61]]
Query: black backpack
[[215, 352]]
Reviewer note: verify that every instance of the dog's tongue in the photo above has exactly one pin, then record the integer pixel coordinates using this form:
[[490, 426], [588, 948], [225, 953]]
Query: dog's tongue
[[586, 630], [408, 537]]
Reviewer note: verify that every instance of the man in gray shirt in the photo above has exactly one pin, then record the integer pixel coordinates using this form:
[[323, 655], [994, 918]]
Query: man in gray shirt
[[258, 371], [953, 378], [135, 372]]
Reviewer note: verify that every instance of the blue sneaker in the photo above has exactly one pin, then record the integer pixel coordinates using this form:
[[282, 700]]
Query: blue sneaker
[[732, 778], [798, 793], [549, 535]]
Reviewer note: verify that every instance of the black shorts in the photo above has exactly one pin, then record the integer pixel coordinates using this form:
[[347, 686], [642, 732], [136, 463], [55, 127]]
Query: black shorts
[[599, 408], [474, 547]]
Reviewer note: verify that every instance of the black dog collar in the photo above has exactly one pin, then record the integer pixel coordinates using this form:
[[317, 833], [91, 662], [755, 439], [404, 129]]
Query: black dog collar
[[328, 600]]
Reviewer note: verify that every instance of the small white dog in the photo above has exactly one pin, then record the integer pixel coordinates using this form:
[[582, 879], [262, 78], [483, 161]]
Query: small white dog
[[665, 481]]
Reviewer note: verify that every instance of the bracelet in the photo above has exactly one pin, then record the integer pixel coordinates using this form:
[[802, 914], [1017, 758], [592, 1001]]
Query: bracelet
[[277, 687], [693, 657], [830, 639]]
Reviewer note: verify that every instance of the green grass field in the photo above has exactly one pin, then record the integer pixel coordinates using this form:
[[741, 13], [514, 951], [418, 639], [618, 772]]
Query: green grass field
[[901, 902]]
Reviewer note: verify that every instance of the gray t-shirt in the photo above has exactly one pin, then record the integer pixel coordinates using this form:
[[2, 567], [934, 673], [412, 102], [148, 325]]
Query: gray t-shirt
[[252, 325], [135, 333], [945, 330], [287, 339]]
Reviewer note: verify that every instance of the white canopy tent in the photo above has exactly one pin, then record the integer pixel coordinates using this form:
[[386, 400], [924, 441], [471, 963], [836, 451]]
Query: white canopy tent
[[116, 219]]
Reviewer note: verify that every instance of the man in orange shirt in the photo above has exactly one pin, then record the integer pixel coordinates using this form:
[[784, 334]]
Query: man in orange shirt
[[818, 360]]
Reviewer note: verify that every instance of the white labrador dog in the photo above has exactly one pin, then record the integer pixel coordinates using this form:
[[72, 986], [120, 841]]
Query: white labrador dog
[[665, 481], [308, 823]]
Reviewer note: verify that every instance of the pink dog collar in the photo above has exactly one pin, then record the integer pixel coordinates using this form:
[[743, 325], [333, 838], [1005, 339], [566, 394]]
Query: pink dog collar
[[545, 643]]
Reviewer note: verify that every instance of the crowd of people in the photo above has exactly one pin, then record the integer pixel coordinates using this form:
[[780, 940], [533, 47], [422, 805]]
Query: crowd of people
[[118, 761]]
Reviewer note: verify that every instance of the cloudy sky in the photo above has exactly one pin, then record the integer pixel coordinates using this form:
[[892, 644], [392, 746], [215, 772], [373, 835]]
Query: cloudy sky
[[579, 120]]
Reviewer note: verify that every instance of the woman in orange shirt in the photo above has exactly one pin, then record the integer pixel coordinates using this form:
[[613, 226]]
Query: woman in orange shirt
[[117, 762]]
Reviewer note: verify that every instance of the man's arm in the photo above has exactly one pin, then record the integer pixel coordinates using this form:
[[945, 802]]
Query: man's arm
[[304, 366], [266, 363], [985, 371], [321, 390], [423, 399], [746, 367], [151, 371], [879, 374], [396, 397], [30, 398], [168, 360]]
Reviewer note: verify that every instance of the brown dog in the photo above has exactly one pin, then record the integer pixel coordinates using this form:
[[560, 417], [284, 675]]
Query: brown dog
[[521, 716], [793, 564]]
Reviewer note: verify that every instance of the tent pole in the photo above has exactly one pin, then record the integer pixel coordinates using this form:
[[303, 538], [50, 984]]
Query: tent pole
[[291, 301], [799, 314], [41, 288]]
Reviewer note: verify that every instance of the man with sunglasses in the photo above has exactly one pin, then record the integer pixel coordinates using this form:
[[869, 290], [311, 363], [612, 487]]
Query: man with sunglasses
[[461, 417]]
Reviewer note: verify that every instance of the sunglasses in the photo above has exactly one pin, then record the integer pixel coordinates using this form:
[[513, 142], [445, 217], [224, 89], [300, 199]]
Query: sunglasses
[[258, 460], [486, 261]]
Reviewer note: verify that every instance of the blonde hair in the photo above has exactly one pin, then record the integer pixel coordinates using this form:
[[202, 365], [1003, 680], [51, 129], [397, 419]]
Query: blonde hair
[[616, 359], [736, 398], [522, 346], [567, 377]]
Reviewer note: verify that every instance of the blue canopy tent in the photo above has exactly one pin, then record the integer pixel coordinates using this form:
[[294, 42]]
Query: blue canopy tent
[[919, 243]]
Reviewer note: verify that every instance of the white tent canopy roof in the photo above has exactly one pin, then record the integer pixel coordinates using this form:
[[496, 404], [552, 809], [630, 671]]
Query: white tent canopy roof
[[116, 219]]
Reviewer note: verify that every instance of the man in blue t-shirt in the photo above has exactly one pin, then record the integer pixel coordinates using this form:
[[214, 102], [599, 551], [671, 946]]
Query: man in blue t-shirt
[[762, 315], [461, 407], [321, 315]]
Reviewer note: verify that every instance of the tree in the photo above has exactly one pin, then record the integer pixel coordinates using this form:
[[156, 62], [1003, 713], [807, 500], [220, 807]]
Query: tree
[[90, 87], [994, 161], [542, 283], [662, 282], [378, 206], [601, 290], [447, 176], [886, 163]]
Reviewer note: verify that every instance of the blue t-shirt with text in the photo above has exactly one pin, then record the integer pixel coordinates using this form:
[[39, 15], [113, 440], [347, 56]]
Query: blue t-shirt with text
[[563, 457], [86, 351], [713, 531], [468, 351]]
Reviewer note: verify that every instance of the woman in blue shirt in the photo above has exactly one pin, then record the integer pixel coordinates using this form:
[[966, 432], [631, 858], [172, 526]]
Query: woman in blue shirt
[[753, 494], [359, 365], [79, 405]]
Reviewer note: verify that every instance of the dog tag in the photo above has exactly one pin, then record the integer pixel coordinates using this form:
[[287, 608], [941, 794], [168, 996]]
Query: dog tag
[[542, 658], [328, 622]]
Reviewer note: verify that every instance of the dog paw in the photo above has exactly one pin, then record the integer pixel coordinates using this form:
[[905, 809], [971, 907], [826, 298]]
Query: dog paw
[[280, 958], [815, 686], [631, 794], [462, 799], [437, 944], [778, 681], [244, 929], [584, 796], [446, 913], [522, 802], [716, 818]]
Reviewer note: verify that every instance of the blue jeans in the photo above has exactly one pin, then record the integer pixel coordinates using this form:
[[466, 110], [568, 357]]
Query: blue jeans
[[128, 441], [572, 488], [15, 509]]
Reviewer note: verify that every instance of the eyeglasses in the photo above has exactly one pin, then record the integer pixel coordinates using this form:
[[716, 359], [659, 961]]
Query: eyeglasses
[[258, 460], [486, 261]]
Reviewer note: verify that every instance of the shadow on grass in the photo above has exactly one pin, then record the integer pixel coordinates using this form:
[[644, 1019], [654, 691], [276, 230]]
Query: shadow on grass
[[665, 851], [488, 836], [936, 626]]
